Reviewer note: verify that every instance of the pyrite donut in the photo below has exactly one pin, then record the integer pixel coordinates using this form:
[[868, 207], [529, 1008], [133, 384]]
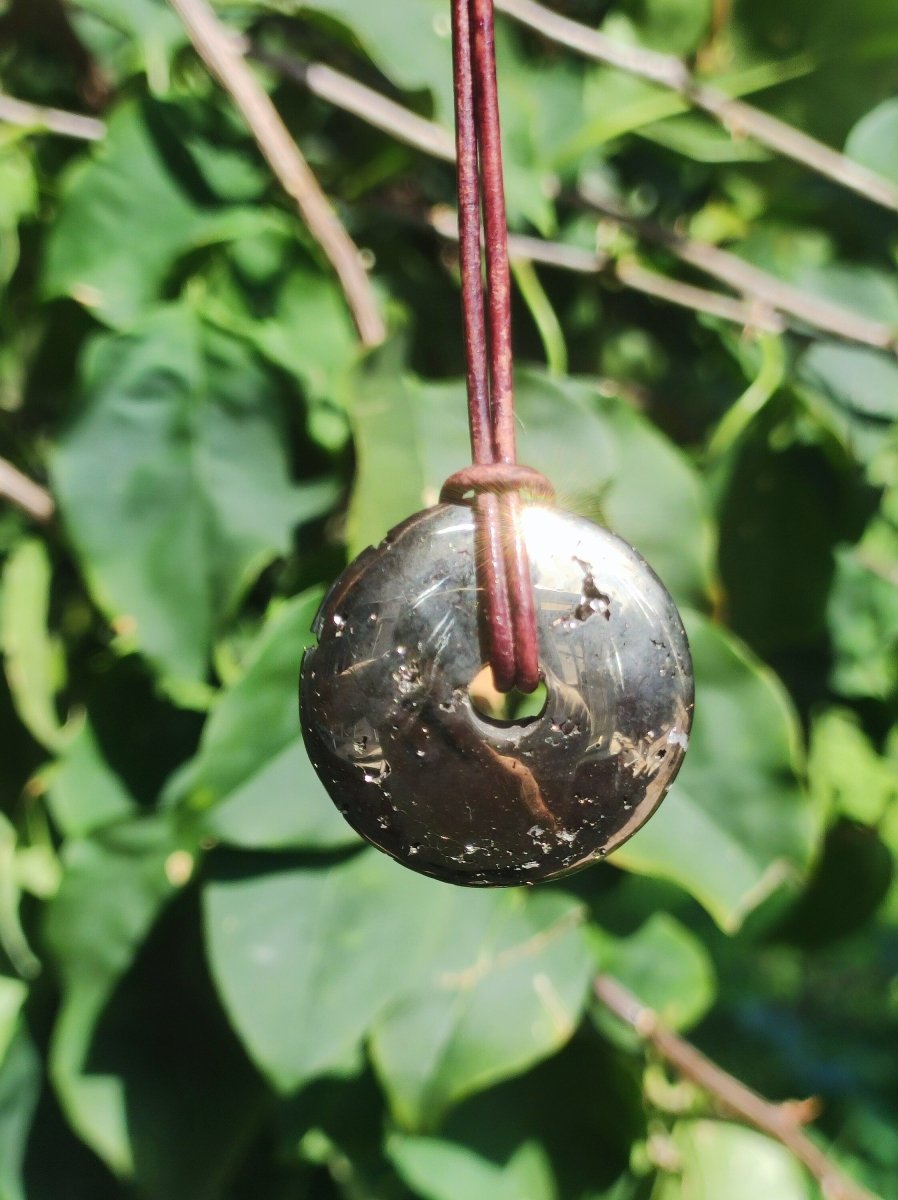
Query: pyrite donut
[[414, 767]]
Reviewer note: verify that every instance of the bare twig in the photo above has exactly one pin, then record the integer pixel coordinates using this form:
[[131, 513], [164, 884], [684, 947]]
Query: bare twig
[[765, 295], [51, 120], [780, 1121], [629, 274], [221, 52], [346, 93], [752, 313], [752, 281], [35, 501], [739, 118]]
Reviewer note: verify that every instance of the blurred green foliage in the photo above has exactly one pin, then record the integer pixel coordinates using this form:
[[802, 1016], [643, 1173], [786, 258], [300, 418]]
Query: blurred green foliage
[[207, 987]]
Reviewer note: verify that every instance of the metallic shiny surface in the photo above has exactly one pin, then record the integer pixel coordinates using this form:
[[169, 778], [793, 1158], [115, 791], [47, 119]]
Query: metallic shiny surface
[[419, 772]]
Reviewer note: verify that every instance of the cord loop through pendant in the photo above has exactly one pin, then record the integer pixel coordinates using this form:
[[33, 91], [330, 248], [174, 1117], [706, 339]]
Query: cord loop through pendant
[[503, 569]]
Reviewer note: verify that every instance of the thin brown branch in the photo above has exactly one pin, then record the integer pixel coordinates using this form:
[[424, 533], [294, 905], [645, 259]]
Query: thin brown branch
[[752, 313], [51, 120], [222, 53], [35, 501], [739, 118], [780, 1121], [346, 93], [628, 273], [752, 281], [765, 296]]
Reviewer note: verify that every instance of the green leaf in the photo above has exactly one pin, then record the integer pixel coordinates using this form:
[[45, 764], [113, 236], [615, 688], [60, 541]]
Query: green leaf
[[873, 141], [442, 1170], [12, 935], [84, 793], [136, 34], [863, 289], [846, 774], [851, 878], [584, 1131], [616, 103], [428, 969], [407, 39], [310, 334], [859, 391], [337, 943], [665, 966], [537, 102], [174, 484], [719, 1159], [112, 892], [862, 616], [674, 26], [252, 779], [18, 186], [32, 660], [21, 1071], [603, 457], [737, 825], [13, 994], [506, 990], [140, 1044], [782, 508], [18, 200], [698, 137], [137, 179]]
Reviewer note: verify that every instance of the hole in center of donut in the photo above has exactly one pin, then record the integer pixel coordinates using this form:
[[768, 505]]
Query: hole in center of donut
[[505, 708]]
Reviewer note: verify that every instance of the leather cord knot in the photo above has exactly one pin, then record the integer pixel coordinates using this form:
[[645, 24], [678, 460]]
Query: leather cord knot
[[503, 568], [498, 479]]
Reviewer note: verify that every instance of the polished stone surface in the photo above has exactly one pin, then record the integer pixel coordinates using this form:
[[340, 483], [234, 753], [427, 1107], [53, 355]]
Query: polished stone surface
[[419, 772]]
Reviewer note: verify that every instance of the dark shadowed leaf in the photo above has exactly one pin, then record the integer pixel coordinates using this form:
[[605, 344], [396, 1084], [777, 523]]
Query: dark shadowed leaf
[[84, 791], [737, 824], [252, 780], [112, 892], [134, 1059]]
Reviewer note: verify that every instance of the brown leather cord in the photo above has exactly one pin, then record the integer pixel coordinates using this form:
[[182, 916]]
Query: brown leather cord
[[495, 478]]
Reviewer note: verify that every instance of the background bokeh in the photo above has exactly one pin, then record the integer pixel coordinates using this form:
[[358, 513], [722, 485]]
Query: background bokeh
[[208, 988]]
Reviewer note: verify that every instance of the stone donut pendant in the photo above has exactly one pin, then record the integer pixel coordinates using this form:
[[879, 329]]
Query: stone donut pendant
[[416, 769]]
